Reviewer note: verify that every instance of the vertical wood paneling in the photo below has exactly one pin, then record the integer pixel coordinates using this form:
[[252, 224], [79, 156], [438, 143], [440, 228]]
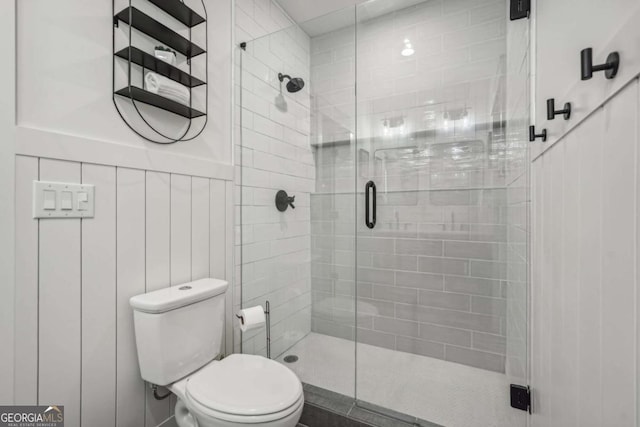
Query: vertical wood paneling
[[180, 229], [554, 292], [568, 346], [158, 263], [217, 240], [77, 343], [59, 303], [637, 255], [26, 316], [537, 189], [199, 228], [226, 251], [158, 230], [217, 200], [590, 136], [544, 398], [584, 278], [618, 259], [99, 301], [130, 390]]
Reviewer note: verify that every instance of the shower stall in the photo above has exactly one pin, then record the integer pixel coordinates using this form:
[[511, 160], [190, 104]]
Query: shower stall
[[395, 262]]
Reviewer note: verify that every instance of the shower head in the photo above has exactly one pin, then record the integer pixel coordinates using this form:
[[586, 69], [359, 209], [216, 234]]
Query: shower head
[[294, 84]]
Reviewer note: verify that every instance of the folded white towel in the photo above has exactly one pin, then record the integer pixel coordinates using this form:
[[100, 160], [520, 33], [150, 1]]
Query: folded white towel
[[160, 85]]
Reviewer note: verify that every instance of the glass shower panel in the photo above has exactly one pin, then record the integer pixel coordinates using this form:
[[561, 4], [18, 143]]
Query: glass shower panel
[[274, 154], [303, 259], [432, 284]]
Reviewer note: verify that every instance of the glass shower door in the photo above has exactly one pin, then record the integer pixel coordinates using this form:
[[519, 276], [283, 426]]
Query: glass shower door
[[400, 278], [436, 167]]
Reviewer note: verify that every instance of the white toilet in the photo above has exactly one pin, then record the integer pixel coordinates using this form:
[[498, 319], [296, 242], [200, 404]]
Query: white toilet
[[179, 333]]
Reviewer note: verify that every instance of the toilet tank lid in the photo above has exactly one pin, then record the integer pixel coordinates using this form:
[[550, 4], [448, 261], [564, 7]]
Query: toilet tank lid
[[178, 296]]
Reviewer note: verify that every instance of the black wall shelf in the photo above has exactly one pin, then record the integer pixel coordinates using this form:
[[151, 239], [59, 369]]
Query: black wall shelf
[[145, 24], [150, 98], [159, 66], [158, 31], [179, 11]]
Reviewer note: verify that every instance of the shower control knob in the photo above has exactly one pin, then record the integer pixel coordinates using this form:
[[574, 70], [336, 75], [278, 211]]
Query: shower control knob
[[283, 201]]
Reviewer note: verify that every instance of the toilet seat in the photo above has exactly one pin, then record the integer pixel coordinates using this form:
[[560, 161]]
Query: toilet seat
[[245, 388], [209, 413]]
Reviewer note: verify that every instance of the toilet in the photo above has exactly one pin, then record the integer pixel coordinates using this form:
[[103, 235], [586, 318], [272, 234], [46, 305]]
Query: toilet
[[179, 332]]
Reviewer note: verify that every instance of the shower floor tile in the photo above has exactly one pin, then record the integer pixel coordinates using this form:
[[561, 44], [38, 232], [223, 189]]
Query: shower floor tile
[[442, 392]]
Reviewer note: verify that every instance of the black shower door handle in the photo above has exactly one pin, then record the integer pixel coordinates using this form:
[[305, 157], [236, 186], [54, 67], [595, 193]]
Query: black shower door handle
[[368, 189]]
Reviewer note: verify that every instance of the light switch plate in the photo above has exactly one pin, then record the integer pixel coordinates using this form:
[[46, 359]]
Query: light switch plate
[[63, 207]]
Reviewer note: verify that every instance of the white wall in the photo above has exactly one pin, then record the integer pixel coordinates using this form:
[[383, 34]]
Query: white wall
[[585, 283], [163, 213], [7, 147], [585, 201], [566, 27], [64, 88], [272, 146]]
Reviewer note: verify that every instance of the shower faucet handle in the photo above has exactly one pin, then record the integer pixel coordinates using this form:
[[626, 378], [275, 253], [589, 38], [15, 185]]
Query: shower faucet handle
[[283, 201]]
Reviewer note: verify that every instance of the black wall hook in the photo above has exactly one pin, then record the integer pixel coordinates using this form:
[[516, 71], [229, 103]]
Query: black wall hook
[[533, 135], [587, 68], [552, 112]]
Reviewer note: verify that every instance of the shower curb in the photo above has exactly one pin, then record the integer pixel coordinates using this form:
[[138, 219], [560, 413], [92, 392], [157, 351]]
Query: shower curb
[[323, 408]]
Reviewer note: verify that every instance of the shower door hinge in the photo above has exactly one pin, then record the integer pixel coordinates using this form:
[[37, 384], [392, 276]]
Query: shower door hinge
[[521, 397], [519, 9]]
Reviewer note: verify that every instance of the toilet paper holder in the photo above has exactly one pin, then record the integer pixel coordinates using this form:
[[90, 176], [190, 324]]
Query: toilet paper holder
[[267, 313]]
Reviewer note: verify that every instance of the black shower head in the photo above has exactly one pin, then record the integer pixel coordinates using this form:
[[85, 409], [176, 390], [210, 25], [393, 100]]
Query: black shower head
[[294, 84]]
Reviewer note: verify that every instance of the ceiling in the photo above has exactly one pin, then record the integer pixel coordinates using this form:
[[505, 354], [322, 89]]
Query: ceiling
[[305, 10], [317, 17]]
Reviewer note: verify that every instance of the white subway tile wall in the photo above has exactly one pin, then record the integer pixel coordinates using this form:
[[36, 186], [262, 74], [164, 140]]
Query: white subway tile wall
[[432, 275], [435, 274], [272, 153]]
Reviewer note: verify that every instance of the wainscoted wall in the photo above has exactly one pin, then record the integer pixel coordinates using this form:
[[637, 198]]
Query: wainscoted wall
[[151, 230], [585, 204], [273, 153], [163, 215], [432, 274], [585, 271]]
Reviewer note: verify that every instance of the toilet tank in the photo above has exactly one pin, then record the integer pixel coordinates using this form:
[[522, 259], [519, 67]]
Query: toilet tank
[[178, 329]]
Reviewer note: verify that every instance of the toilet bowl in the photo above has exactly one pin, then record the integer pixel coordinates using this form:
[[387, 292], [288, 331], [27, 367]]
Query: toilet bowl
[[239, 390]]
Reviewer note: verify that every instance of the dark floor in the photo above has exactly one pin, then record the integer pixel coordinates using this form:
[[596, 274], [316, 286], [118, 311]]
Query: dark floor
[[323, 408]]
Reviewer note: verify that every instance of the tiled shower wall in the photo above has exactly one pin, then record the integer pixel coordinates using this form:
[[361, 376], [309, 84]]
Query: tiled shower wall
[[430, 286], [432, 274], [272, 153]]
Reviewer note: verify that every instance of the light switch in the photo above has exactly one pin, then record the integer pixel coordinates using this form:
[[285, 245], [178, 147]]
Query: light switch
[[66, 200], [83, 199], [49, 200], [53, 200]]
